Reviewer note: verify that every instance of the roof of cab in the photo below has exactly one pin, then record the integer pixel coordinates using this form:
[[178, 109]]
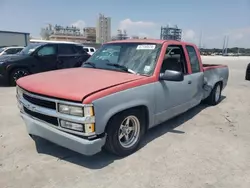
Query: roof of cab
[[156, 41]]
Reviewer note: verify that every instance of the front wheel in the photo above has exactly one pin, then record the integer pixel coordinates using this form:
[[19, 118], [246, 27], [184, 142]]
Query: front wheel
[[16, 74], [124, 132]]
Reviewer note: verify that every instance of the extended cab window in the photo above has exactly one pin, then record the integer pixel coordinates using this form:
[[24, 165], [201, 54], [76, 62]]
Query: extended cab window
[[195, 64], [66, 49], [174, 59], [47, 50]]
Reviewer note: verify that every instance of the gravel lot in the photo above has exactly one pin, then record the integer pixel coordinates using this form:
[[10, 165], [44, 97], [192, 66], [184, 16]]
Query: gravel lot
[[207, 147]]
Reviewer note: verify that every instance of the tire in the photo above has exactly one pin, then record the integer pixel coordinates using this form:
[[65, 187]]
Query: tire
[[16, 74], [121, 147], [247, 76], [215, 95]]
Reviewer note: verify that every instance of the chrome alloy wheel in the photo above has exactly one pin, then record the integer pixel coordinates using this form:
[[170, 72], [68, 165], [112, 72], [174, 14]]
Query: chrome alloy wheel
[[19, 73], [129, 131]]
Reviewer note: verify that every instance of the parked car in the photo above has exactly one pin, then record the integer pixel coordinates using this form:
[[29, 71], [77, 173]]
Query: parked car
[[89, 50], [41, 57], [111, 105], [10, 50], [247, 76]]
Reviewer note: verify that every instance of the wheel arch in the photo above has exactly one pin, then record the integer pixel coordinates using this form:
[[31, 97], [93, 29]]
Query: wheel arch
[[11, 68], [144, 109]]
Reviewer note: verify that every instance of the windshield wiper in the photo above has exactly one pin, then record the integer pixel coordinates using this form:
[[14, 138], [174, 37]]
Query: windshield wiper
[[90, 63], [122, 67]]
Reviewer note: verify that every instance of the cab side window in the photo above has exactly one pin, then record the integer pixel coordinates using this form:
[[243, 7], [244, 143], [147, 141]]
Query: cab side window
[[66, 49], [80, 50], [11, 51], [47, 50], [195, 64], [174, 59]]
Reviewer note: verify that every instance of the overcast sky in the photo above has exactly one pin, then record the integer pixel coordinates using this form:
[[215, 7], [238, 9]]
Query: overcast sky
[[214, 18]]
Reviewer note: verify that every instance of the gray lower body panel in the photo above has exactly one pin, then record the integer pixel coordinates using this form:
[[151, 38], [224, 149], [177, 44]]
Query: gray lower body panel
[[77, 144]]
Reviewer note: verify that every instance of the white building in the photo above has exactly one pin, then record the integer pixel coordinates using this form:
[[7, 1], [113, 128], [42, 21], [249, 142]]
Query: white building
[[11, 38], [103, 29]]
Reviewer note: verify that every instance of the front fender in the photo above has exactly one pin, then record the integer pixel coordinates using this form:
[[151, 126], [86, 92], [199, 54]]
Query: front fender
[[13, 66], [108, 106]]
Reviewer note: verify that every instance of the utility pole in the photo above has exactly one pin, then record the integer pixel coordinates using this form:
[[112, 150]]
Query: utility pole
[[227, 39], [224, 43], [200, 40]]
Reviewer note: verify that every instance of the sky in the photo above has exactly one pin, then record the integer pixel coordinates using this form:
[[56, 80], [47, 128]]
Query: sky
[[211, 19]]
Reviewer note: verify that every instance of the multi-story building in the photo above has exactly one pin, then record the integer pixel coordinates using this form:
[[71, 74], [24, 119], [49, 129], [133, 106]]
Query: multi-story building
[[60, 33], [103, 29], [170, 33], [90, 34]]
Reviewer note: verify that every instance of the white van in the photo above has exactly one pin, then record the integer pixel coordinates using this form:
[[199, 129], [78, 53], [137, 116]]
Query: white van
[[89, 50]]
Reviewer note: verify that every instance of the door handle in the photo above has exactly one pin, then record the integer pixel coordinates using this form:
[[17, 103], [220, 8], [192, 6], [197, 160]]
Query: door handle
[[189, 82]]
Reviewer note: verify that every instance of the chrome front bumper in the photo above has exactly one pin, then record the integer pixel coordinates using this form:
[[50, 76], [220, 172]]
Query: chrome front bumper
[[75, 143]]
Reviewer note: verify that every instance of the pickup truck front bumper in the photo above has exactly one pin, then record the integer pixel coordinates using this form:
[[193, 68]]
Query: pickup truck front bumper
[[75, 143]]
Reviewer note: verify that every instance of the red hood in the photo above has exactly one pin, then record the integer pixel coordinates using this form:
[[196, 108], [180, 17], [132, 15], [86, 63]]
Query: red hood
[[74, 84]]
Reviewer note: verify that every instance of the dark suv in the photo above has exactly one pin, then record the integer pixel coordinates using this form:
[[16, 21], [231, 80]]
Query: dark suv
[[41, 57]]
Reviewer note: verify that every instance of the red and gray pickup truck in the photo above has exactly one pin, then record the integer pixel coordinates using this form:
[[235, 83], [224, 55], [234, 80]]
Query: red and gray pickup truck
[[124, 89]]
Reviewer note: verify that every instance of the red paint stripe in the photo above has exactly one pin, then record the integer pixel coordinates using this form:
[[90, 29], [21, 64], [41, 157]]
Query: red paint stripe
[[214, 67], [122, 87]]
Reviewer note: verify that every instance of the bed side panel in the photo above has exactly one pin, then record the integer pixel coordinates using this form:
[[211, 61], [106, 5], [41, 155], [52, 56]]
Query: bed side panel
[[214, 75]]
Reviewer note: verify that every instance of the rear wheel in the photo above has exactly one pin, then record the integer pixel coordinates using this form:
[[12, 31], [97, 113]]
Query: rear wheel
[[215, 95], [124, 132], [247, 76], [16, 74]]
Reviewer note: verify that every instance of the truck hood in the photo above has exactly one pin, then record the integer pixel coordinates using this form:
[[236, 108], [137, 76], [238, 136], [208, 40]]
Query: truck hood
[[74, 84]]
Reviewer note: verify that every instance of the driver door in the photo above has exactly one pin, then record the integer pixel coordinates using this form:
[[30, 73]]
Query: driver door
[[173, 98], [47, 58]]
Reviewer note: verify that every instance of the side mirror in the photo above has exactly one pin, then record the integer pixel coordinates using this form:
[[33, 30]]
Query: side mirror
[[171, 75]]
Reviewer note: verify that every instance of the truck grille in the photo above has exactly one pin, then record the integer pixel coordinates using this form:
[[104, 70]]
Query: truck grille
[[48, 119], [40, 102]]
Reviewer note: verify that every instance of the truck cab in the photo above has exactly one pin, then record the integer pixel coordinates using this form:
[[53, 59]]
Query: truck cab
[[112, 100]]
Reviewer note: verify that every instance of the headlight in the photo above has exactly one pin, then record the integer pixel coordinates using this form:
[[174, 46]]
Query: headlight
[[72, 126], [86, 128], [71, 110]]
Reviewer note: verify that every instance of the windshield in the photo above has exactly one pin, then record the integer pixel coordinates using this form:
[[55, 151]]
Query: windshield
[[140, 58], [2, 49], [30, 48]]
